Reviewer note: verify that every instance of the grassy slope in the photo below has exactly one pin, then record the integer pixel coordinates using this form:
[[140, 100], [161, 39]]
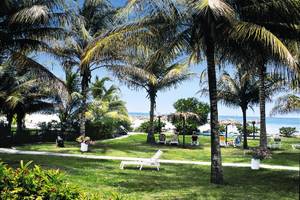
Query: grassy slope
[[135, 146], [172, 182]]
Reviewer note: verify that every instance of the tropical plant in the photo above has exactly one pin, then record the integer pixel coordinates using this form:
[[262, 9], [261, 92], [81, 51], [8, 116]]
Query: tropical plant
[[153, 72], [107, 110], [22, 94], [279, 35], [27, 182], [286, 104], [29, 27], [95, 17], [69, 106]]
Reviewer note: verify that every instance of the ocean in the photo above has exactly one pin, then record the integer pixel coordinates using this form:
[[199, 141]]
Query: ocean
[[273, 123]]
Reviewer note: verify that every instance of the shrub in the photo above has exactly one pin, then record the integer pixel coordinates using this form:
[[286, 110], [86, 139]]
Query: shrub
[[249, 129], [34, 183], [145, 126], [287, 131]]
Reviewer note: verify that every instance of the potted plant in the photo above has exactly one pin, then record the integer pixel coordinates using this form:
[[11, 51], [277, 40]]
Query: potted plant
[[84, 143], [259, 154]]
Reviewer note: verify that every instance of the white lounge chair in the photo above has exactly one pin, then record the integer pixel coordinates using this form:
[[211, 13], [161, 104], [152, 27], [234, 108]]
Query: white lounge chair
[[152, 162], [174, 140]]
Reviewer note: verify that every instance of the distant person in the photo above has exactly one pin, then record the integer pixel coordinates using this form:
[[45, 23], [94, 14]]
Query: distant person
[[194, 138], [60, 141]]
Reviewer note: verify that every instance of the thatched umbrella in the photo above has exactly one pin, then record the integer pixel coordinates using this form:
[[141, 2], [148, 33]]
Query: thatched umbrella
[[226, 123], [183, 116]]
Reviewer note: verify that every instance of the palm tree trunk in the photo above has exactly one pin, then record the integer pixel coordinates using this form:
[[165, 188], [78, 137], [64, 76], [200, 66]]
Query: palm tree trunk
[[216, 160], [86, 76], [9, 118], [183, 132], [245, 144], [150, 137], [262, 106], [20, 124]]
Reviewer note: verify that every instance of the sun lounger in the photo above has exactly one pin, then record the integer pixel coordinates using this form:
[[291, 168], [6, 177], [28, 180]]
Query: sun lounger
[[237, 142], [162, 139], [174, 140], [222, 141], [152, 162]]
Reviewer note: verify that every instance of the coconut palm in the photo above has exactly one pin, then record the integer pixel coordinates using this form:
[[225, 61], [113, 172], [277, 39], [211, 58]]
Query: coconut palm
[[28, 27], [95, 16], [287, 104], [281, 19], [69, 107], [22, 94], [202, 29], [106, 104], [152, 71], [242, 90]]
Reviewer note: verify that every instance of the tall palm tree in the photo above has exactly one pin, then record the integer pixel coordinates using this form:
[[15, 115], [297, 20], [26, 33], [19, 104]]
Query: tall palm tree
[[202, 28], [281, 19], [153, 71], [95, 16]]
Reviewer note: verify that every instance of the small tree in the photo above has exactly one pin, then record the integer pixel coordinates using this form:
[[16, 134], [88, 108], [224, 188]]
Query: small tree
[[191, 105], [287, 131]]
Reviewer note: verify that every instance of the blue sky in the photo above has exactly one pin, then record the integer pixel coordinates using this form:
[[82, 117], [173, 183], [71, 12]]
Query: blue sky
[[137, 101]]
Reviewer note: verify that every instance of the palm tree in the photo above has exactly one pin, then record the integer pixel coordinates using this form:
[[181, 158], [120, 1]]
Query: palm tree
[[152, 70], [106, 104], [202, 28], [22, 94], [28, 27], [281, 19], [69, 107], [94, 17], [286, 104], [242, 90]]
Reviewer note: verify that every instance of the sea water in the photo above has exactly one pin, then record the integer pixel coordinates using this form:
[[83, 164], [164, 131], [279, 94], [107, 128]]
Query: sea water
[[273, 123]]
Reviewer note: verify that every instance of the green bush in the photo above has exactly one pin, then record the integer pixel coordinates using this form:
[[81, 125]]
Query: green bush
[[145, 126], [192, 105], [287, 131], [249, 129], [34, 183]]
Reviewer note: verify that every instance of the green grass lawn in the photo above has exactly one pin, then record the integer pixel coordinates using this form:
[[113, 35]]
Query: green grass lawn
[[172, 182], [135, 146]]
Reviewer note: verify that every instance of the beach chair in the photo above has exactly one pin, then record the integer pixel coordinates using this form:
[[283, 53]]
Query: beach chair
[[174, 140], [152, 162], [237, 142], [275, 143], [162, 139], [222, 141]]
